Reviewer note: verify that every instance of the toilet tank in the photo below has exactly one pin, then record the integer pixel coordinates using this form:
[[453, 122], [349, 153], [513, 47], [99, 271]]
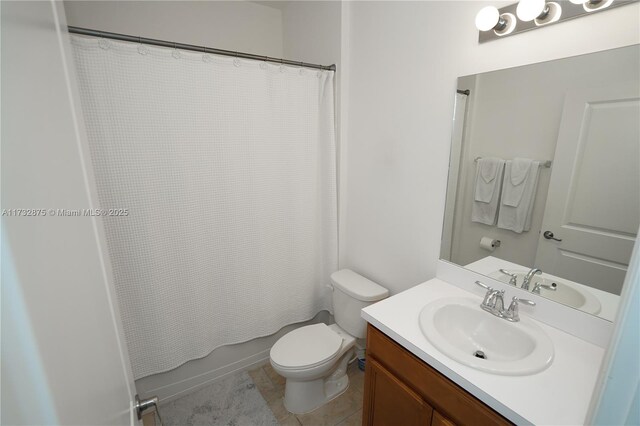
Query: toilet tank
[[351, 293]]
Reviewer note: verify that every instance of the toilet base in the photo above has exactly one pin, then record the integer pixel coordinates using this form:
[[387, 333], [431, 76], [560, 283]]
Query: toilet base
[[301, 397]]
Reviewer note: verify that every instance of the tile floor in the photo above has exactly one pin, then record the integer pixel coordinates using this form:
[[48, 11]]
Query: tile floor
[[233, 400], [346, 410]]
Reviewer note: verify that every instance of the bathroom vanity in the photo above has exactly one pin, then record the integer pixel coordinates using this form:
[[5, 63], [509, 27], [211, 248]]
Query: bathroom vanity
[[411, 382], [434, 355], [402, 389]]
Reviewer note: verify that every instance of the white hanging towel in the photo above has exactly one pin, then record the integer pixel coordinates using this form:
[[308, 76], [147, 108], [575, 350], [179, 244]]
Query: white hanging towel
[[487, 190], [518, 194]]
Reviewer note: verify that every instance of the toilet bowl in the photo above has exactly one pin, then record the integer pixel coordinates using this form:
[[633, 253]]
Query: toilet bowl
[[314, 361], [314, 358]]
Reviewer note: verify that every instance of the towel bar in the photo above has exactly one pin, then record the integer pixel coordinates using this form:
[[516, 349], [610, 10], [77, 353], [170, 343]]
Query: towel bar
[[546, 163]]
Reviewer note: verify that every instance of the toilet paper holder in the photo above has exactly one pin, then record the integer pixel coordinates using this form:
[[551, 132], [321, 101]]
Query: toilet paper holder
[[489, 243]]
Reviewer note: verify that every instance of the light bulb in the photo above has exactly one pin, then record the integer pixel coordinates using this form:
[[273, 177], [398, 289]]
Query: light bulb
[[528, 10], [552, 14], [487, 18], [594, 5]]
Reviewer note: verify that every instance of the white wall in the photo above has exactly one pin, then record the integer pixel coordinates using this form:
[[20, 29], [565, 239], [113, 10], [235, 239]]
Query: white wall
[[517, 113], [63, 358], [312, 32], [232, 25], [404, 58]]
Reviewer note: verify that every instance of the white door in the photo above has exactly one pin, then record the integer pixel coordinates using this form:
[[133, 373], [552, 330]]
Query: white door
[[593, 204], [64, 359]]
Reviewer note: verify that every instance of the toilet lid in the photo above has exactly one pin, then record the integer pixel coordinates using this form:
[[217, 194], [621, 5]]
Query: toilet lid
[[306, 347]]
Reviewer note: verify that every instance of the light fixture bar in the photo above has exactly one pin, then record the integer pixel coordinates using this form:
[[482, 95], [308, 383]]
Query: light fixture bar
[[569, 10]]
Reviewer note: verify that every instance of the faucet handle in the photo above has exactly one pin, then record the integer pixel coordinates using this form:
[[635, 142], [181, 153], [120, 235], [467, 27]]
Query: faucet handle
[[516, 299], [511, 314], [539, 285], [552, 286], [504, 271], [513, 280], [483, 285]]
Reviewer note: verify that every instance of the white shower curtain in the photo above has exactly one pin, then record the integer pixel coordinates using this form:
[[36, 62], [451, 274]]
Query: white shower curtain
[[227, 169]]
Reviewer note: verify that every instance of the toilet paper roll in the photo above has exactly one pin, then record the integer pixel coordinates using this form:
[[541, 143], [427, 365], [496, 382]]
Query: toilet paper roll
[[488, 243]]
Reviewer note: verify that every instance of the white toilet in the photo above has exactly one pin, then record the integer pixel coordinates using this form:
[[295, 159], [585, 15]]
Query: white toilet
[[314, 358]]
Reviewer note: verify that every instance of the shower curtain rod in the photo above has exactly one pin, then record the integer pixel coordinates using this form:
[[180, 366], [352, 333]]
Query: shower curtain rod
[[203, 49]]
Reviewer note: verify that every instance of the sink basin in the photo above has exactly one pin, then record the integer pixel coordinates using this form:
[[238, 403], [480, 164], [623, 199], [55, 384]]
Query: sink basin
[[458, 328], [565, 293]]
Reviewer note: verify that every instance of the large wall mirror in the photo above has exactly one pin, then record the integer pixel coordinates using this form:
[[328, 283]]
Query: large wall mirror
[[544, 179]]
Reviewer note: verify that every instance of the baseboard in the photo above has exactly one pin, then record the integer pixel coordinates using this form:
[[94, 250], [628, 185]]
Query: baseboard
[[176, 390]]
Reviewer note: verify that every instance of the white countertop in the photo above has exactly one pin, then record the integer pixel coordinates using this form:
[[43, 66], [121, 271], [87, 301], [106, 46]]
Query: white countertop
[[559, 395]]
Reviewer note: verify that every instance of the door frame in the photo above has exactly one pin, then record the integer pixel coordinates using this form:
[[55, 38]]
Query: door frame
[[58, 292]]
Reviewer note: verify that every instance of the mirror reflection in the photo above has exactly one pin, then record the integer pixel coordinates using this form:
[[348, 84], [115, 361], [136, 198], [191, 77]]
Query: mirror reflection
[[544, 179]]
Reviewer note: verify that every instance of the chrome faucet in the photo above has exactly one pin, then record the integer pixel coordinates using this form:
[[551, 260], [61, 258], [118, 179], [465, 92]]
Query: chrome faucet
[[527, 278], [513, 280], [512, 314], [494, 304], [493, 300]]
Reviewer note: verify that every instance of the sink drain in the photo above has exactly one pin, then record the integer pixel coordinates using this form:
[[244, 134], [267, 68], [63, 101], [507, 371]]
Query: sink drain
[[479, 354]]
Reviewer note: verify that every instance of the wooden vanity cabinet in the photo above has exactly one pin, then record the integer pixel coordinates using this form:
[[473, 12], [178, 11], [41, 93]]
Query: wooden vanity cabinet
[[401, 389]]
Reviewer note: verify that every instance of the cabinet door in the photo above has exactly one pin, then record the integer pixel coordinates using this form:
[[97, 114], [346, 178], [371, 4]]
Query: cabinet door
[[454, 403], [439, 420], [388, 401]]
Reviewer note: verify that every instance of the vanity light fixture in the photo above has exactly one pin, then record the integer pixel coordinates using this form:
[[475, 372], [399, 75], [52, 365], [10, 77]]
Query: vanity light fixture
[[539, 11], [528, 10], [489, 18], [528, 15], [551, 14], [593, 5]]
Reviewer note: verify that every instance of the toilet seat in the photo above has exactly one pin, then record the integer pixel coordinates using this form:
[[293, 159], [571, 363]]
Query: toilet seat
[[306, 347]]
